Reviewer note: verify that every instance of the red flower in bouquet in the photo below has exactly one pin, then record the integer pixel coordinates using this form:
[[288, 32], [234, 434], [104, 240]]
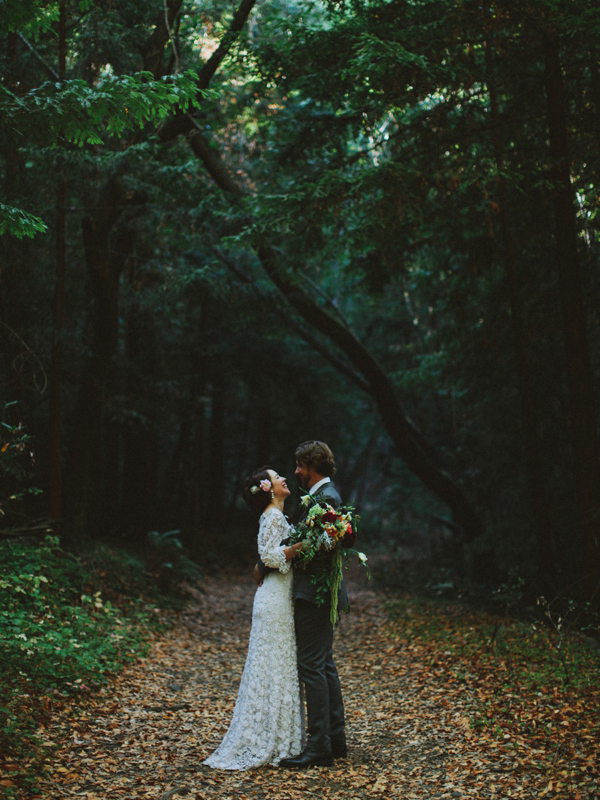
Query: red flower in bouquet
[[349, 537]]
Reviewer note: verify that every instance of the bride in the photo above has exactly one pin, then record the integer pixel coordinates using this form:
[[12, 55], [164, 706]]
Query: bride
[[268, 718]]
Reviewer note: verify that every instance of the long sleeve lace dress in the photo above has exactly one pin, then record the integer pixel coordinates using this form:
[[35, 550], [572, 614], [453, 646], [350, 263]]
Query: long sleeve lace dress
[[268, 719]]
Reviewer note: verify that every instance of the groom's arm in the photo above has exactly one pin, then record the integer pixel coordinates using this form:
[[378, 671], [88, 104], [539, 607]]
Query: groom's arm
[[260, 570], [331, 495]]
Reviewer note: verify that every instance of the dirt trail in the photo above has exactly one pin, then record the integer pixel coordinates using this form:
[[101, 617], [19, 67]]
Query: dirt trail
[[408, 732]]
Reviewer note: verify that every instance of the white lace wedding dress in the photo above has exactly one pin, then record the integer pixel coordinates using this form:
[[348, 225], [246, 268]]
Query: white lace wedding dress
[[268, 718]]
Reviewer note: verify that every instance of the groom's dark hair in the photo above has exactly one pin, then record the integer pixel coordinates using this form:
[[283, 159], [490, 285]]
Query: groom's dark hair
[[259, 499], [317, 455]]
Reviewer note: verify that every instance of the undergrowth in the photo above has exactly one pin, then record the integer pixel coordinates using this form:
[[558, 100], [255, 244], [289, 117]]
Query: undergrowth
[[535, 680], [537, 654], [66, 624]]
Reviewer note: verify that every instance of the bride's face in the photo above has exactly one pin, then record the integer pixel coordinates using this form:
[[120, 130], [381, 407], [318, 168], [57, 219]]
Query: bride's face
[[280, 488]]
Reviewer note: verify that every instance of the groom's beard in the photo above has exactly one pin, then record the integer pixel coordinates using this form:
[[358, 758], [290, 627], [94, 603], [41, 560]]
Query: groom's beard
[[303, 482]]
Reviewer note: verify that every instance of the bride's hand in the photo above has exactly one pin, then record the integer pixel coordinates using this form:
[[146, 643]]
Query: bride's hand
[[292, 551]]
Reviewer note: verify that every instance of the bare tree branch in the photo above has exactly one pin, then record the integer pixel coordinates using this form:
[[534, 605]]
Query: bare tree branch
[[34, 528], [154, 48], [53, 73], [315, 343], [213, 162], [237, 23], [180, 124]]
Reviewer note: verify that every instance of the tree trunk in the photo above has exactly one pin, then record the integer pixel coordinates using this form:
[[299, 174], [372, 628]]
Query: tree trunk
[[112, 473], [140, 453], [55, 478], [200, 477], [579, 373], [174, 494], [540, 505], [154, 48], [55, 481], [11, 272], [216, 457], [242, 455], [104, 267], [262, 424], [595, 80]]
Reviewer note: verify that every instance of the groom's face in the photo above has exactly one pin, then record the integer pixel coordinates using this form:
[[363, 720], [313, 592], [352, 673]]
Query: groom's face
[[302, 473]]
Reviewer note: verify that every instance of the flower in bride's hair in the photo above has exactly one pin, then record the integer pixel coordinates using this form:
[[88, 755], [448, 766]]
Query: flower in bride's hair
[[263, 486]]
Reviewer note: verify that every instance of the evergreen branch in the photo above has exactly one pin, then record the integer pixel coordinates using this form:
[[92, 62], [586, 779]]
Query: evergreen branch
[[26, 346], [19, 223], [80, 113]]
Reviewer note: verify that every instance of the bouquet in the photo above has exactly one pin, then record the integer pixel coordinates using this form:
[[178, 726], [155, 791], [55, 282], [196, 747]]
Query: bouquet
[[326, 531]]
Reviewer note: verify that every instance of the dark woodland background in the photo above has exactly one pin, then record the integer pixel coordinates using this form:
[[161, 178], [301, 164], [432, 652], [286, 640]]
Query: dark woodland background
[[379, 229]]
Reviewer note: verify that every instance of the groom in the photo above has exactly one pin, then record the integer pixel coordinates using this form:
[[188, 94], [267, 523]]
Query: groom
[[314, 631]]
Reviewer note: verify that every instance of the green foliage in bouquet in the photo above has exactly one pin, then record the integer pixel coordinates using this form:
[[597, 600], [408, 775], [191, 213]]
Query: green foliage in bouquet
[[328, 535]]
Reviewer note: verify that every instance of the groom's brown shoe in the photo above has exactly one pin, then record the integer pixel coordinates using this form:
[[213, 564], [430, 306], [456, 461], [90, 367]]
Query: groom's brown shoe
[[307, 759]]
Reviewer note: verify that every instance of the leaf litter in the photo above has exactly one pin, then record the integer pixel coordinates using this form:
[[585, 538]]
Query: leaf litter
[[422, 722]]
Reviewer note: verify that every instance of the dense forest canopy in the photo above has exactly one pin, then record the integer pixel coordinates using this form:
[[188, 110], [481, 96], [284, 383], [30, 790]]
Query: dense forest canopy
[[228, 229]]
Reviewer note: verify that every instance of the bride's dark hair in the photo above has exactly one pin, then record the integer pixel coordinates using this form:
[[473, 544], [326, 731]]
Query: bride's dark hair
[[258, 499]]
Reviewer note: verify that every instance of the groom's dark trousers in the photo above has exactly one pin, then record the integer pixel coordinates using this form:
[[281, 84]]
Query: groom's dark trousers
[[314, 640], [316, 669]]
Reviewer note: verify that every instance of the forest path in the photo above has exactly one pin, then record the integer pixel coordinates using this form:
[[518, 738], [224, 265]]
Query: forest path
[[408, 726]]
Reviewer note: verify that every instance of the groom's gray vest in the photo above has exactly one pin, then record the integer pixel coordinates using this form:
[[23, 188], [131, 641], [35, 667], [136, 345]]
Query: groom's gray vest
[[304, 588]]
